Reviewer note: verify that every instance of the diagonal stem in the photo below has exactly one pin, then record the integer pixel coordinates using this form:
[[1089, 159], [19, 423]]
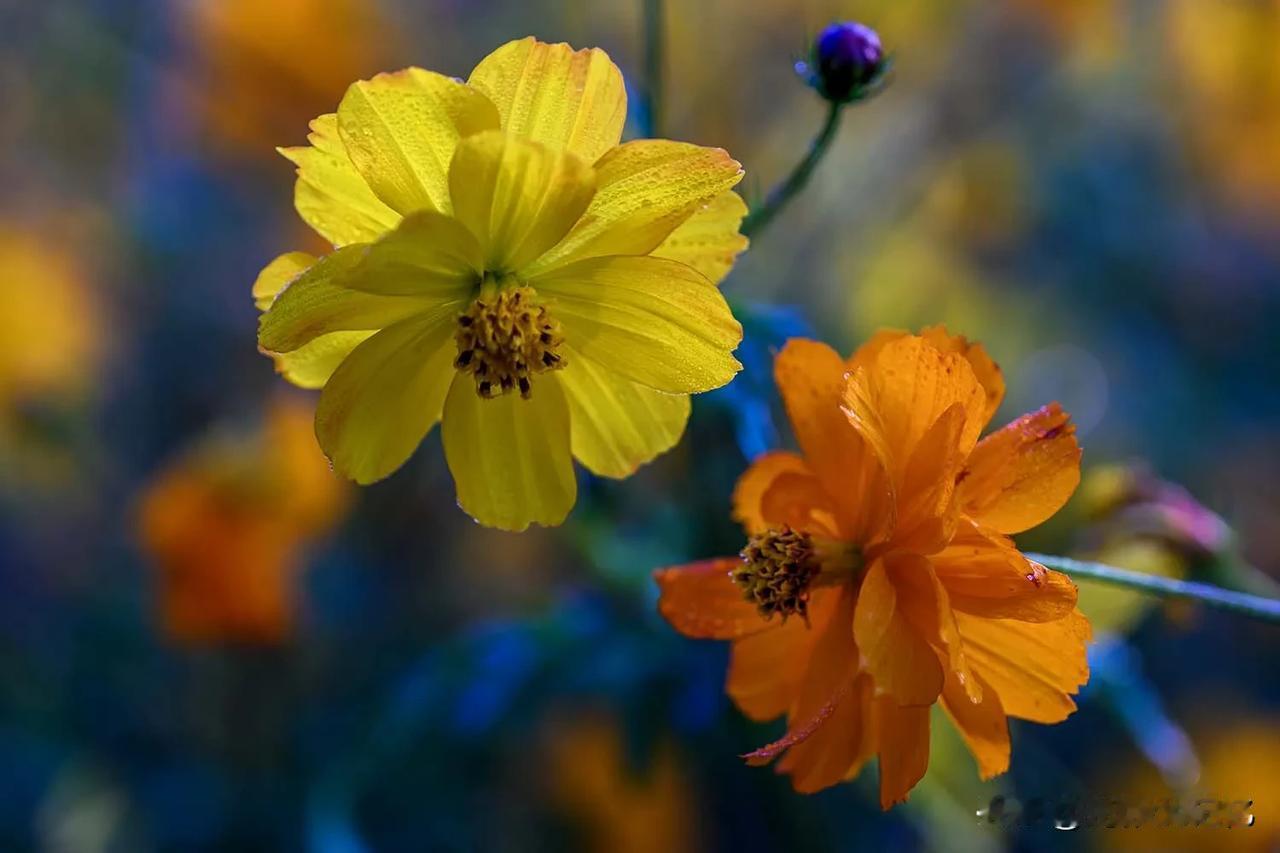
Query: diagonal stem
[[781, 194], [654, 77], [1266, 609]]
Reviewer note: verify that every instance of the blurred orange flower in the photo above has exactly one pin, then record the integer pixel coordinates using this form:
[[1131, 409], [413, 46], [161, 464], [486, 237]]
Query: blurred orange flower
[[225, 525], [888, 537], [621, 809], [257, 62]]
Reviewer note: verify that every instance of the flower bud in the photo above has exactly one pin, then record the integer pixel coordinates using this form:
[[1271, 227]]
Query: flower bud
[[846, 63]]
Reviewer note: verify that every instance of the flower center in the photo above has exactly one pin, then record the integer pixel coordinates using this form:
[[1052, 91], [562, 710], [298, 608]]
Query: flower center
[[780, 568], [504, 338]]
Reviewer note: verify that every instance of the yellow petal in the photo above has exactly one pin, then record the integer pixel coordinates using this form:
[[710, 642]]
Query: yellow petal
[[709, 240], [386, 395], [657, 322], [400, 130], [330, 194], [510, 456], [517, 197], [550, 93], [618, 425], [313, 364], [429, 254], [276, 275], [646, 189], [316, 303]]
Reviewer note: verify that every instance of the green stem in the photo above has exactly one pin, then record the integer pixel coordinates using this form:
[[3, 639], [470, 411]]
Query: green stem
[[1267, 609], [781, 194], [654, 60]]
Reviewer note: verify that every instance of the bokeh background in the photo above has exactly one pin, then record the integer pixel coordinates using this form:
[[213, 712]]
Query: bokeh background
[[208, 643]]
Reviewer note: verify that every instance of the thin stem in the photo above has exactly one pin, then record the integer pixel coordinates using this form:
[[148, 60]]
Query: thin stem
[[782, 193], [1267, 609], [654, 60]]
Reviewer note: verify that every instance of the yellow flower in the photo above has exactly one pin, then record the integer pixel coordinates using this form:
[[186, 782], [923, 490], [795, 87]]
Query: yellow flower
[[504, 266]]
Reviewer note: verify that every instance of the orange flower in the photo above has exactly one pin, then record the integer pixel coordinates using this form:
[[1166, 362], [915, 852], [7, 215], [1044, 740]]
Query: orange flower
[[618, 807], [888, 537], [225, 526]]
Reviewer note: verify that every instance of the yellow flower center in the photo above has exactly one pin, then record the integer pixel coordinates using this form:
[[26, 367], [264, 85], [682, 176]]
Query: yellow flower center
[[780, 568], [506, 337]]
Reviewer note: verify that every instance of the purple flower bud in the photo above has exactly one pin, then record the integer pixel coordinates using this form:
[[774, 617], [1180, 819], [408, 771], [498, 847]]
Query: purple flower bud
[[847, 59]]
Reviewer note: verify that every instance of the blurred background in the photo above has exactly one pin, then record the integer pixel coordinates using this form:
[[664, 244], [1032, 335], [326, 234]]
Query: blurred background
[[208, 643]]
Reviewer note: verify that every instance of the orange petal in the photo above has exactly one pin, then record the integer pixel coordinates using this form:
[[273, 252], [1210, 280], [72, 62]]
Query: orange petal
[[985, 575], [894, 651], [701, 600], [866, 355], [982, 724], [828, 676], [903, 733], [755, 481], [1020, 475], [927, 513], [987, 371], [1036, 667], [924, 601], [799, 501], [984, 368], [905, 392], [798, 734], [765, 669], [810, 378], [839, 748]]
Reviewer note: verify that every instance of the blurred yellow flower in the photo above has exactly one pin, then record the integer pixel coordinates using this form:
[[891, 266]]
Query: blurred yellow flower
[[1240, 766], [1229, 85], [225, 525], [49, 335], [506, 267], [619, 808], [51, 345]]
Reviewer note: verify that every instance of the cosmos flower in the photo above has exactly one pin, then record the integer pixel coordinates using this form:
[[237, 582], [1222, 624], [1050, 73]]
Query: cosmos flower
[[878, 577], [505, 267], [225, 526], [619, 807]]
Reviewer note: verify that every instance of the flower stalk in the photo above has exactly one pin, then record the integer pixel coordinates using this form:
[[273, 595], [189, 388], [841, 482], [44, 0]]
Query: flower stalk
[[1266, 609], [654, 62], [782, 194]]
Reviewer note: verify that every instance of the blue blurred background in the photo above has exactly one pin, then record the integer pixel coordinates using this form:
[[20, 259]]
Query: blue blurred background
[[207, 643]]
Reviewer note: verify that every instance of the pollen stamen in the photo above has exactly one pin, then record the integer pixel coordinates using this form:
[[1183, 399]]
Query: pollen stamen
[[506, 337], [778, 569]]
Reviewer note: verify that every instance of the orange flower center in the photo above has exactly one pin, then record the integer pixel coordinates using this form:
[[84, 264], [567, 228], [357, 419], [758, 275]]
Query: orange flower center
[[780, 568], [506, 337]]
